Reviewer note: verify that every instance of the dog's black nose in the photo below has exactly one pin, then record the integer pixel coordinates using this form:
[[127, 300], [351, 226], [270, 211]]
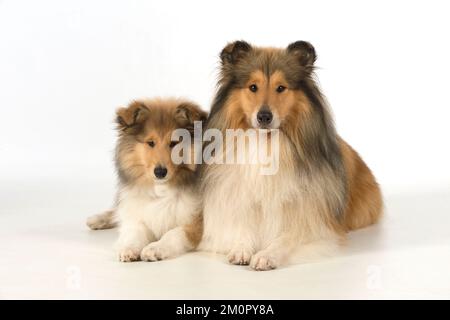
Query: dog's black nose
[[160, 172], [264, 116]]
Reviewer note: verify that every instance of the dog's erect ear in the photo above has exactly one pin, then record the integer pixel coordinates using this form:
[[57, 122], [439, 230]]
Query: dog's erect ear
[[188, 112], [135, 114], [234, 51], [304, 51]]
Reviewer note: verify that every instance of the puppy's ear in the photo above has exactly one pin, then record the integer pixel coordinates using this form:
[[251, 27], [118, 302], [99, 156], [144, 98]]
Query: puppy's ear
[[304, 52], [234, 51], [188, 112], [133, 115]]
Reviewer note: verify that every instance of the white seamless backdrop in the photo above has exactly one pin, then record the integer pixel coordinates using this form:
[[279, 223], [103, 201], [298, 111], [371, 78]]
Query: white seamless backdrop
[[65, 66]]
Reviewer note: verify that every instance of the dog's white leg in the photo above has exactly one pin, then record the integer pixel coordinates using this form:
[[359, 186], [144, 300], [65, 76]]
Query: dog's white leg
[[274, 255], [243, 245], [172, 244], [242, 251], [290, 249], [133, 238], [105, 220]]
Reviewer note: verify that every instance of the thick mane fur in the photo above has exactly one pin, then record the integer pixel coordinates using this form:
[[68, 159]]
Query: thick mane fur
[[321, 187], [315, 140]]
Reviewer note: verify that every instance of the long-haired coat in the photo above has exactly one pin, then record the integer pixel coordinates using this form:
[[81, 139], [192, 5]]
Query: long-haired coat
[[157, 209], [322, 188]]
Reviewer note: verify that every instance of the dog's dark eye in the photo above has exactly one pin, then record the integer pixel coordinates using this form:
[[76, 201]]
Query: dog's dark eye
[[151, 143], [173, 144], [281, 89], [253, 88]]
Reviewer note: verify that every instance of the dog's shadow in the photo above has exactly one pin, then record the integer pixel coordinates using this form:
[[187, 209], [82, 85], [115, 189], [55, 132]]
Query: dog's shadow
[[410, 220]]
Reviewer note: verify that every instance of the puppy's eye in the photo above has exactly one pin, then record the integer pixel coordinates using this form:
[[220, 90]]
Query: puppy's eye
[[280, 89], [173, 144], [151, 143], [253, 88]]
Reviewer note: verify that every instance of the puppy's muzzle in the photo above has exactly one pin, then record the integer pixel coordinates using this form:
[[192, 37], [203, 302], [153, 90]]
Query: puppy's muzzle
[[160, 172]]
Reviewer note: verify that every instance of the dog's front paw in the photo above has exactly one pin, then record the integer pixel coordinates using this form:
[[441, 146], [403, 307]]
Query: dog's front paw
[[240, 256], [128, 255], [263, 261], [155, 252]]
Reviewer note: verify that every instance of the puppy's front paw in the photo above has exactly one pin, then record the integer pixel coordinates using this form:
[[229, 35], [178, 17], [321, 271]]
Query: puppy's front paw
[[240, 256], [128, 255], [155, 252], [263, 261]]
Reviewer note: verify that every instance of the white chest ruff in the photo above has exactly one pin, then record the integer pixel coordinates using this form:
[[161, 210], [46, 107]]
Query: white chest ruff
[[241, 204], [160, 208]]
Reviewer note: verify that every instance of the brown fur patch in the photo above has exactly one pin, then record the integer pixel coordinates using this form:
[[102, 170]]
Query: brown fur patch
[[145, 130], [339, 178], [365, 203], [194, 230]]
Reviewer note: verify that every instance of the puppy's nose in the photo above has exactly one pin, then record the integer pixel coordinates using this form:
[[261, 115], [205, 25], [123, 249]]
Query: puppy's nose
[[160, 172], [264, 116]]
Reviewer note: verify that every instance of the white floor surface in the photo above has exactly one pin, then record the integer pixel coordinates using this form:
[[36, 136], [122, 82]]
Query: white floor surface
[[48, 253]]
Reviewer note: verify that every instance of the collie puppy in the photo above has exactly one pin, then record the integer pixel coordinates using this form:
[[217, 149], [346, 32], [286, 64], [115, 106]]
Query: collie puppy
[[322, 188], [157, 211]]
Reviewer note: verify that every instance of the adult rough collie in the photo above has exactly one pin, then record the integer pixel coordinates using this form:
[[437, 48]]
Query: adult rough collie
[[157, 210], [322, 188]]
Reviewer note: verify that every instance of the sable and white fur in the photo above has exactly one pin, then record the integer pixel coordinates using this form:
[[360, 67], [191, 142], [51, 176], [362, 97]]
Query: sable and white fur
[[322, 188], [158, 217], [152, 222]]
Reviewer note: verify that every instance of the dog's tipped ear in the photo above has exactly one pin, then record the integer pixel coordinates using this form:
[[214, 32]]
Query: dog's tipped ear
[[304, 52], [188, 112], [134, 114], [234, 51]]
